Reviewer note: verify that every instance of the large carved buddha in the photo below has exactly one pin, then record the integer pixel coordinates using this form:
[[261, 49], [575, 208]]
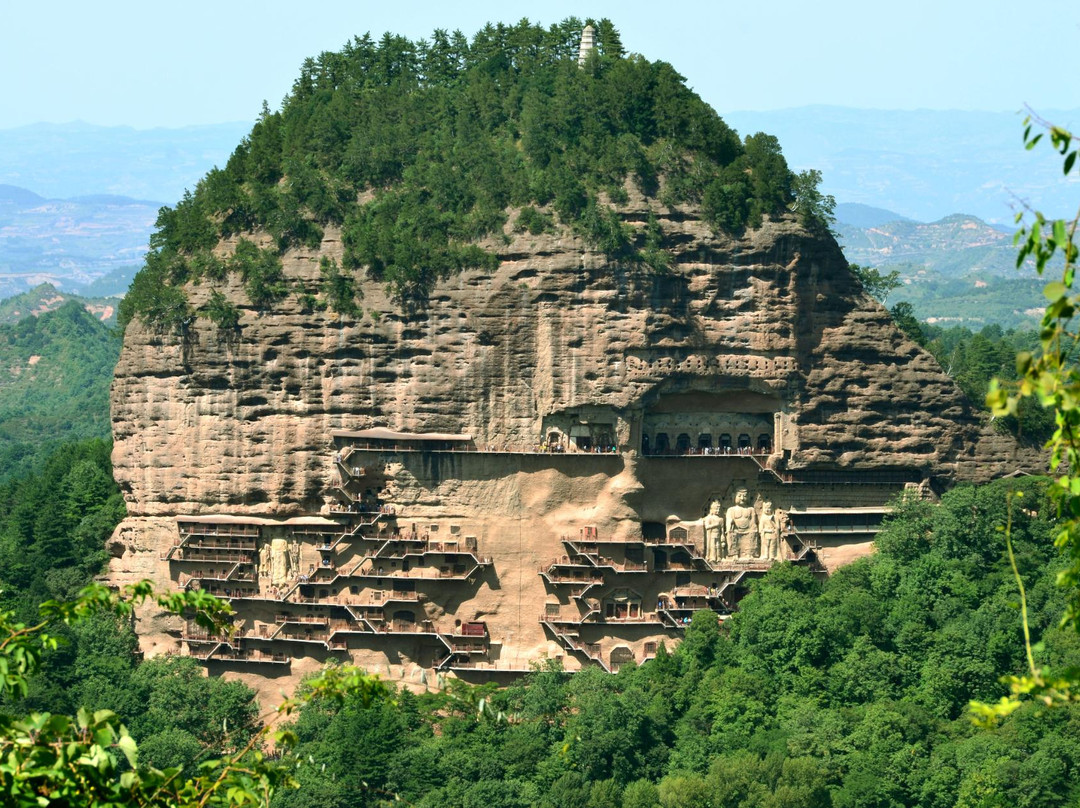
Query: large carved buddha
[[741, 528]]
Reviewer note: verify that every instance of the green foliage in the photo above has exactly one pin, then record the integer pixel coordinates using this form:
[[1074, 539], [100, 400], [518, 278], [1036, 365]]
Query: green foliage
[[187, 227], [154, 296], [976, 359], [339, 289], [222, 312], [55, 371], [878, 286], [207, 265], [261, 271], [654, 255], [725, 202], [91, 758], [904, 317], [844, 691], [641, 794], [533, 221], [604, 229], [772, 183], [816, 210], [53, 529], [53, 526], [1050, 374], [181, 709], [418, 149]]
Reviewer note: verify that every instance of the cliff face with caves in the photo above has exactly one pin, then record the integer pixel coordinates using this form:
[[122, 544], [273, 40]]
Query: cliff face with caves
[[556, 345], [241, 421]]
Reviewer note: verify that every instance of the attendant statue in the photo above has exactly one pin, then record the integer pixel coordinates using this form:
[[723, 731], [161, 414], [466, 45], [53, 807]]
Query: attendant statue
[[264, 560], [783, 526], [769, 528], [715, 546], [740, 525], [294, 557]]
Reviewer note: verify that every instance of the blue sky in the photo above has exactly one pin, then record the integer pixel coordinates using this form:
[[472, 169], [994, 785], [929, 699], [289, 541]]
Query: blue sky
[[151, 64]]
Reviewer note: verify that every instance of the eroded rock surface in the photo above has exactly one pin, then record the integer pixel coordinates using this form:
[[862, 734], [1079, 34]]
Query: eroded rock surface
[[767, 333]]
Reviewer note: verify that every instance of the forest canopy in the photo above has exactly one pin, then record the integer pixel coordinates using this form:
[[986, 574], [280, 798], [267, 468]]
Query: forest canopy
[[54, 384], [844, 692], [847, 692], [418, 150]]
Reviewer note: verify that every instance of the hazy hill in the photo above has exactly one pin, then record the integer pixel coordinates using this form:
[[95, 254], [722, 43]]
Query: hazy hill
[[956, 270], [45, 298], [115, 284], [924, 164], [69, 243], [54, 383], [12, 196], [76, 159], [86, 216], [1009, 302], [856, 214], [954, 246]]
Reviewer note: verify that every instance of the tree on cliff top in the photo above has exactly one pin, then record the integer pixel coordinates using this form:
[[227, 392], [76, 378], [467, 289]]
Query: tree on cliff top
[[417, 150]]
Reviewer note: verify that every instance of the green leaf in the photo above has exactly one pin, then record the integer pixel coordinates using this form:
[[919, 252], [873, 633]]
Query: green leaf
[[1070, 160], [129, 748], [1023, 362], [1055, 290], [1059, 232]]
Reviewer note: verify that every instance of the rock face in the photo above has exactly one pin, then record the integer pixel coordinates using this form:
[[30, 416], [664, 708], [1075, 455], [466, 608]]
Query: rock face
[[764, 341]]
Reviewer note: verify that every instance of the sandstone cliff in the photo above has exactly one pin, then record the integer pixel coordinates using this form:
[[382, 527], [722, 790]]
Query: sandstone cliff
[[769, 328], [241, 422]]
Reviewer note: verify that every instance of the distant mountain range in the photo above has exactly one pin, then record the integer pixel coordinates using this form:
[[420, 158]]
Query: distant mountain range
[[926, 164], [855, 214], [957, 270], [74, 243], [76, 159], [954, 246], [46, 298]]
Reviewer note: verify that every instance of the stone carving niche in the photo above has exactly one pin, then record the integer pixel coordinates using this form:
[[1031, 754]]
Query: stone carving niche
[[712, 423]]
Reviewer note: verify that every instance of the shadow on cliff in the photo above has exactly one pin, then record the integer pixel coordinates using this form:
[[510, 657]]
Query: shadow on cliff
[[433, 468]]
